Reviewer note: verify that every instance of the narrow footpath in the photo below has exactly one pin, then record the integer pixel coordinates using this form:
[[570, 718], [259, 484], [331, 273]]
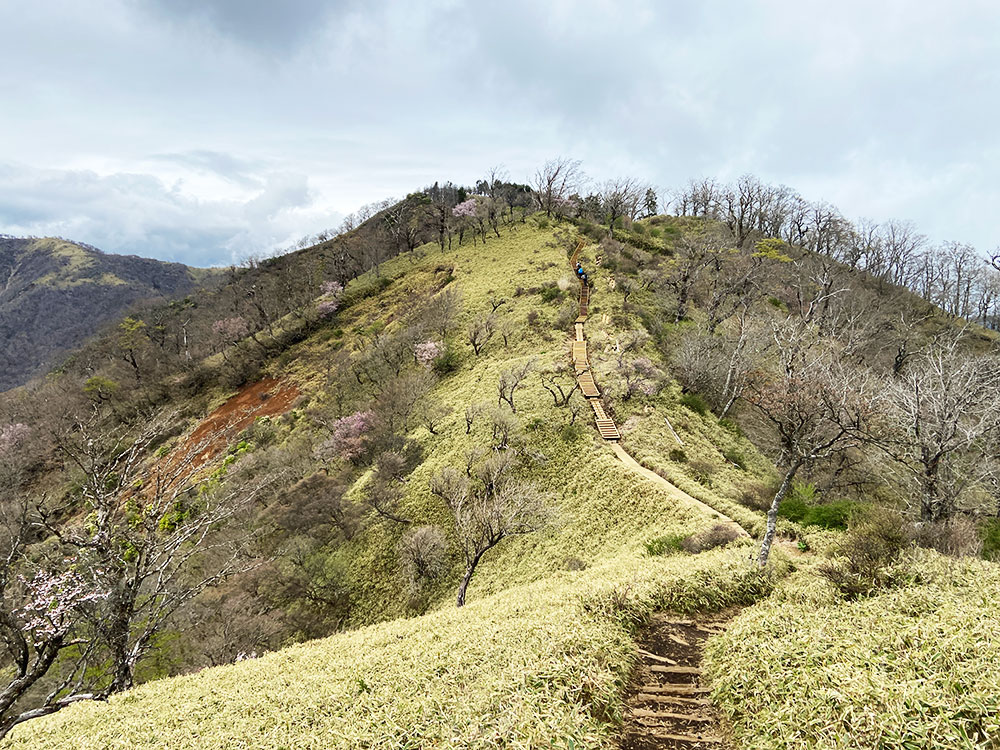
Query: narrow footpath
[[667, 707], [606, 426]]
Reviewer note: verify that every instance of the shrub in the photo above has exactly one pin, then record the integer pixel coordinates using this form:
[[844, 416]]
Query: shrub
[[665, 545], [695, 403], [702, 471], [800, 506], [733, 456], [575, 563], [956, 537], [875, 539], [718, 535], [834, 515], [446, 362], [730, 426], [758, 495], [677, 455], [990, 533], [551, 293], [571, 432]]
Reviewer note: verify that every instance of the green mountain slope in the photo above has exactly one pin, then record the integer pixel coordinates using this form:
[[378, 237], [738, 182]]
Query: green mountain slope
[[55, 294], [541, 655]]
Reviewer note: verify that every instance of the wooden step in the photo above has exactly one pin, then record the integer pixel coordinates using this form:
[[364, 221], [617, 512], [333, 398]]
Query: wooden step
[[676, 689], [653, 698], [587, 385], [656, 657], [608, 431], [676, 670], [688, 738], [595, 403], [645, 713]]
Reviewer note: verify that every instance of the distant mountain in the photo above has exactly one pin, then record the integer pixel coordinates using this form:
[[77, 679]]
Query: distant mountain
[[54, 294]]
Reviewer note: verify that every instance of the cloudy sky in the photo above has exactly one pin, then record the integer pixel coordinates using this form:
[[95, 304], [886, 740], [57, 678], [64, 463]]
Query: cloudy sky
[[206, 130]]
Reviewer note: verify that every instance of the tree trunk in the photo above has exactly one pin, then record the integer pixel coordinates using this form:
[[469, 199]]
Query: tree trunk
[[464, 585], [772, 513], [470, 568]]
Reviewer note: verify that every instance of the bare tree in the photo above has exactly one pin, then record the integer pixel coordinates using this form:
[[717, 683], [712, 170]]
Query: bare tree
[[694, 254], [560, 381], [944, 411], [489, 507], [510, 380], [621, 198], [481, 331], [385, 490], [152, 533], [555, 182], [817, 408]]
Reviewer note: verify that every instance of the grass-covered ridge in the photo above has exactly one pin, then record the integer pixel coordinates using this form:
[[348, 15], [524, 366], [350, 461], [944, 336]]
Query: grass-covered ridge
[[543, 649], [912, 667], [541, 654], [536, 666]]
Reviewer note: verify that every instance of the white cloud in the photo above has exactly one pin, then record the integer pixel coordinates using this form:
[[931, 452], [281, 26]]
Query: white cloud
[[190, 130]]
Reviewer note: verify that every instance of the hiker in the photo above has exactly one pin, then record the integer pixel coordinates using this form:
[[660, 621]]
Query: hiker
[[579, 270]]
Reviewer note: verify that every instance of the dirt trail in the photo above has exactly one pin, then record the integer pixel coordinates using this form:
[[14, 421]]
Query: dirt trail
[[673, 490], [605, 425], [667, 707]]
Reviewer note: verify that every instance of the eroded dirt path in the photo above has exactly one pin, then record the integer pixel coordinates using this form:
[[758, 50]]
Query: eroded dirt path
[[667, 706]]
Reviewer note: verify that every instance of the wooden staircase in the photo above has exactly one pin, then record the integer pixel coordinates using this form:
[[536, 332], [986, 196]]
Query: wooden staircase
[[581, 363]]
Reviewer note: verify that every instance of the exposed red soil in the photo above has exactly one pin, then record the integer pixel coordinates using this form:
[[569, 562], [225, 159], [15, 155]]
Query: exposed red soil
[[267, 398]]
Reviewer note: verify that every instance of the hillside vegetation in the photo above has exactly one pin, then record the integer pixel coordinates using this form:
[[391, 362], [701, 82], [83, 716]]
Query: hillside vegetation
[[55, 294], [351, 429]]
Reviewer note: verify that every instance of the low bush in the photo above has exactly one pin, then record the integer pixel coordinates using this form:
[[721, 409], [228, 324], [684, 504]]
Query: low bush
[[447, 361], [990, 533], [800, 506], [677, 455], [875, 539], [665, 545], [701, 471], [736, 458], [695, 403], [956, 537], [757, 495], [718, 535], [550, 293], [571, 432]]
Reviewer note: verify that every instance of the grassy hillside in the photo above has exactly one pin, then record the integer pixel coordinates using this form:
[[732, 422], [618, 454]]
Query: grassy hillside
[[55, 294], [539, 666], [602, 518], [541, 655]]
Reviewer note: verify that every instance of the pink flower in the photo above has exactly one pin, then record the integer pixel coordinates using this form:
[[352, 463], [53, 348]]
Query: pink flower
[[348, 439], [426, 352]]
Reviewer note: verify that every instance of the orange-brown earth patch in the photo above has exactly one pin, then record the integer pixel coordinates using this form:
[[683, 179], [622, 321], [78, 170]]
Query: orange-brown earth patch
[[267, 398]]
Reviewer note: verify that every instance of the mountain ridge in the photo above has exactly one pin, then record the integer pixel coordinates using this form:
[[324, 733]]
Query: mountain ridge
[[54, 294]]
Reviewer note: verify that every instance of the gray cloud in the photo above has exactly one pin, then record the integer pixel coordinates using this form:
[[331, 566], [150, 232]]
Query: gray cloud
[[136, 213], [273, 26], [192, 129]]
